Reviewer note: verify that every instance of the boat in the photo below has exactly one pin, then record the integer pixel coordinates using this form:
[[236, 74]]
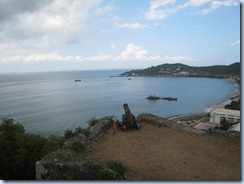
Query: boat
[[153, 97], [77, 80], [169, 98], [129, 78]]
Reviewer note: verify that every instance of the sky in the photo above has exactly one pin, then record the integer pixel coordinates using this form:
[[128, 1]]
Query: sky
[[64, 35]]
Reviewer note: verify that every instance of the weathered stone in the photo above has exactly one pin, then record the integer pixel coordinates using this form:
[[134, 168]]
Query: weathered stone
[[162, 122], [65, 164]]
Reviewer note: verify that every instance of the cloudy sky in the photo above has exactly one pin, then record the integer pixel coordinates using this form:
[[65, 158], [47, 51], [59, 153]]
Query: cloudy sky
[[56, 35]]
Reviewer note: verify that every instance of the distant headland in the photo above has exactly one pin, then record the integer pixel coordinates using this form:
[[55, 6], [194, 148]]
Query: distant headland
[[182, 70]]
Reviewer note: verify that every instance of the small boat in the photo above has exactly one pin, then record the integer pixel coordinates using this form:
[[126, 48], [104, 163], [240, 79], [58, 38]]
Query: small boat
[[153, 97], [169, 98], [77, 80], [129, 78]]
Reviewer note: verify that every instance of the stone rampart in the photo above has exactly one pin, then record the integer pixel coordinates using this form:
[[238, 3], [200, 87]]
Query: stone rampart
[[68, 164]]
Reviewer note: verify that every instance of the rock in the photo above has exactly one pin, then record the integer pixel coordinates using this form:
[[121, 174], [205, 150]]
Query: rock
[[65, 164]]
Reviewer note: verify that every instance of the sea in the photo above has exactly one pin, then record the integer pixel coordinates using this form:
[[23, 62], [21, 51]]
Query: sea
[[51, 102]]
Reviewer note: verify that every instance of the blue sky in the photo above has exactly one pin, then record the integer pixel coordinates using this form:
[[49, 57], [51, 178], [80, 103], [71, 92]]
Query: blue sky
[[57, 35]]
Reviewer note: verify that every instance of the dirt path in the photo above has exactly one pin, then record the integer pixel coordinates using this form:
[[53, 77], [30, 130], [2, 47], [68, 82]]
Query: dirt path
[[155, 153]]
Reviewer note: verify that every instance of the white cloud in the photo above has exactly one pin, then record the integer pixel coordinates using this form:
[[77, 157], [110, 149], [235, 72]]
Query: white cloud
[[56, 57], [235, 43], [216, 4], [43, 57], [135, 25], [132, 52], [160, 9], [11, 59], [103, 10], [198, 2], [156, 10], [59, 21], [120, 24], [158, 3]]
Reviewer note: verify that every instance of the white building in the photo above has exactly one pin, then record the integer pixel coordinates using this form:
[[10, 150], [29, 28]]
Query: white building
[[231, 116]]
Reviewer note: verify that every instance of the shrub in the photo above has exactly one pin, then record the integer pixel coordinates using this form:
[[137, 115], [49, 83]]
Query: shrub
[[20, 150], [225, 124], [68, 134], [55, 141], [92, 122], [111, 170], [118, 168], [207, 115], [92, 171], [78, 147], [83, 131], [234, 105]]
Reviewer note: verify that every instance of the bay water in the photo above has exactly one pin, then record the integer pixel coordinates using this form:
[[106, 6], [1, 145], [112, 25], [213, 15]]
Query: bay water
[[51, 102]]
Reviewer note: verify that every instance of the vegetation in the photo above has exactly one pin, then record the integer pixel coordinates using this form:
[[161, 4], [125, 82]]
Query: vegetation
[[179, 69], [78, 147], [234, 105], [92, 122], [69, 133], [112, 170], [84, 131], [20, 150], [225, 124]]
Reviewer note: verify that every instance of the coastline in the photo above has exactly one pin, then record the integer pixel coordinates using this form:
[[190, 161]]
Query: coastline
[[234, 97]]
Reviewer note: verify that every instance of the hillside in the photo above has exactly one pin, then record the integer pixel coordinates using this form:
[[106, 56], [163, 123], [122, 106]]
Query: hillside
[[181, 70]]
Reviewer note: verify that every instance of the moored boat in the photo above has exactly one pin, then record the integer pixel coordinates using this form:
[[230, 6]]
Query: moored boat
[[153, 97]]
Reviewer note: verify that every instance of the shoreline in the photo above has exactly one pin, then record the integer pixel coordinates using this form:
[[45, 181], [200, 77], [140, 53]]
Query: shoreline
[[234, 97]]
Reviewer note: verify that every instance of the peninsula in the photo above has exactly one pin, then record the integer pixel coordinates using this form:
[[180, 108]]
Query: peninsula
[[182, 70]]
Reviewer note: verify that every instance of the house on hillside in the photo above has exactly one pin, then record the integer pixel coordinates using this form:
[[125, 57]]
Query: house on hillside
[[232, 116]]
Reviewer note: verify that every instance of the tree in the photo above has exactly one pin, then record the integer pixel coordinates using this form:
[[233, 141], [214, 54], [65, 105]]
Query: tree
[[20, 150], [225, 124]]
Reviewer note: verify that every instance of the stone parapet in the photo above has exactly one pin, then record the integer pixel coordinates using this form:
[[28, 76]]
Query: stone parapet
[[66, 164]]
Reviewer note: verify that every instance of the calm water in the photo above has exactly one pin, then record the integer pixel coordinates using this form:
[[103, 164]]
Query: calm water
[[52, 102]]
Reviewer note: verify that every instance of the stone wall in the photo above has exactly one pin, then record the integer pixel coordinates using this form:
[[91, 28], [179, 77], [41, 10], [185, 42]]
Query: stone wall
[[162, 122], [66, 164]]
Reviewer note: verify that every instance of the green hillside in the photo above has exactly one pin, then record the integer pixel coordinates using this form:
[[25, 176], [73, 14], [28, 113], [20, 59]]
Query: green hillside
[[181, 70]]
